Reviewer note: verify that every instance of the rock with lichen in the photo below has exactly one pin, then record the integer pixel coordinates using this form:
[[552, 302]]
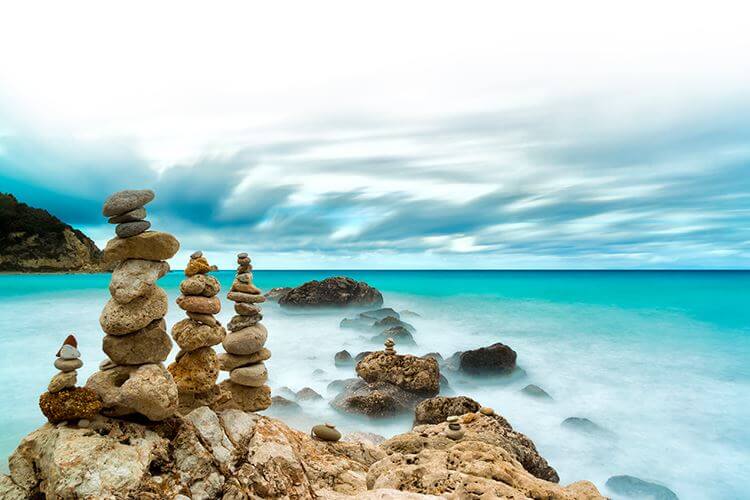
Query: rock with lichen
[[70, 404]]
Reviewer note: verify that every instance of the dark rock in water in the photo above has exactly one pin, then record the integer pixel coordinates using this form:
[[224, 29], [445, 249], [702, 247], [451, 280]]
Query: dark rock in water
[[410, 314], [130, 229], [495, 359], [378, 314], [286, 392], [398, 333], [318, 372], [536, 392], [343, 358], [126, 201], [437, 409], [585, 425], [308, 394], [332, 292], [360, 324], [341, 384], [362, 355], [390, 322], [280, 402], [633, 487], [407, 372], [444, 385], [379, 399], [434, 355], [274, 294]]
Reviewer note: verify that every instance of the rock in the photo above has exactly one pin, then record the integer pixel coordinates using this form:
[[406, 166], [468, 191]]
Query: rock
[[151, 245], [326, 432], [205, 319], [307, 394], [244, 277], [132, 216], [286, 392], [247, 398], [149, 345], [191, 335], [362, 355], [198, 265], [70, 404], [126, 201], [200, 284], [245, 309], [434, 355], [212, 398], [239, 322], [379, 314], [121, 319], [379, 399], [245, 297], [239, 286], [130, 229], [359, 324], [581, 424], [250, 376], [410, 314], [439, 408], [408, 372], [196, 371], [62, 380], [208, 427], [246, 341], [68, 365], [106, 364], [135, 278], [340, 384], [391, 322], [634, 487], [199, 304], [363, 437], [274, 294], [536, 392], [145, 389], [495, 359], [68, 352], [343, 358], [332, 292], [284, 403], [398, 333], [228, 362]]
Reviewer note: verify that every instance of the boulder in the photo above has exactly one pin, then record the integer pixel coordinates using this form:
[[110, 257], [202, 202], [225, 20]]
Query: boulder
[[584, 425], [308, 394], [437, 409], [495, 359], [135, 278], [398, 333], [151, 245], [535, 392], [343, 358], [121, 319], [408, 372], [633, 487], [196, 371], [274, 294], [378, 399], [191, 335], [360, 324], [148, 345], [332, 292], [362, 355], [409, 314], [280, 402]]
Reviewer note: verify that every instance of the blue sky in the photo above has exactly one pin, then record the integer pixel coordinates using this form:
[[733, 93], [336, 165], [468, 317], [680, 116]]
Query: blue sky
[[391, 136]]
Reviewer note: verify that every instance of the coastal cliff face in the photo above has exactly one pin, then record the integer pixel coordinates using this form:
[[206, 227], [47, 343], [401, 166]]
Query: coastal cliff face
[[33, 240]]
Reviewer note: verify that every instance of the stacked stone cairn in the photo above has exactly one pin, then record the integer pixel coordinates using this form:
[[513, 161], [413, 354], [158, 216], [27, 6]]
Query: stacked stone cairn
[[197, 367], [63, 400], [133, 380], [244, 344]]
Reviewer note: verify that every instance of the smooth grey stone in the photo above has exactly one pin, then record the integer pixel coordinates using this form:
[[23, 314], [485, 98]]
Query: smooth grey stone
[[129, 229], [69, 352], [68, 365], [326, 432], [633, 487], [132, 216], [242, 255], [126, 201], [196, 255]]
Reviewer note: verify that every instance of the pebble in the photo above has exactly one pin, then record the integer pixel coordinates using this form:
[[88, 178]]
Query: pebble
[[245, 297], [486, 410], [242, 255], [126, 201], [197, 254], [250, 376], [198, 265], [130, 229], [62, 380], [68, 365], [199, 304], [243, 321], [132, 216], [67, 351], [206, 319], [326, 432]]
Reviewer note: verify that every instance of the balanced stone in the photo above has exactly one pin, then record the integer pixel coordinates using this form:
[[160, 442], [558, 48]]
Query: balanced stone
[[196, 371], [151, 245], [68, 352], [206, 319], [200, 284], [148, 345], [120, 319], [107, 364], [326, 432], [238, 286], [486, 410], [245, 297], [245, 277], [135, 278], [240, 322], [63, 380], [132, 216], [198, 265], [242, 255], [68, 365], [247, 309], [130, 229], [199, 304], [247, 398], [196, 254], [191, 335], [228, 362], [251, 376], [246, 341], [126, 201], [69, 404]]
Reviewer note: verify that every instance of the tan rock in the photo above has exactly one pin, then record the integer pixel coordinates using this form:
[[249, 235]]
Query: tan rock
[[68, 365], [191, 335], [251, 376], [239, 286], [121, 319], [247, 398], [199, 304], [200, 284], [151, 245], [239, 322], [199, 265], [135, 278], [247, 309], [245, 297], [206, 319], [62, 380], [70, 404], [418, 375], [246, 341], [228, 362], [196, 371], [148, 345]]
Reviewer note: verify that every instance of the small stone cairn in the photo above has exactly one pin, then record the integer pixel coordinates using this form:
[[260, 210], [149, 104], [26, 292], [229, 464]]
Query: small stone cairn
[[63, 400], [244, 344], [197, 367], [133, 379]]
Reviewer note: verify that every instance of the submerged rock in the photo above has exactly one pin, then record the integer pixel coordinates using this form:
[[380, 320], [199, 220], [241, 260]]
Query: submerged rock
[[536, 392], [633, 487], [582, 424], [495, 359], [274, 294], [343, 358], [332, 292], [390, 322], [398, 333], [379, 314]]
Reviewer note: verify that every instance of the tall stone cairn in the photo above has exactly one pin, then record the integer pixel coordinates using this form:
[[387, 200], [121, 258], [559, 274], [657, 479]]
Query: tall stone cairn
[[133, 379], [197, 367], [244, 344]]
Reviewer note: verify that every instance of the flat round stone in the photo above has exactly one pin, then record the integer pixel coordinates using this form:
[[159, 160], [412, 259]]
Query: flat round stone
[[132, 216], [151, 245], [242, 255], [246, 341], [130, 229], [68, 365], [245, 297], [63, 380], [250, 376], [126, 201], [246, 309], [197, 254], [326, 432]]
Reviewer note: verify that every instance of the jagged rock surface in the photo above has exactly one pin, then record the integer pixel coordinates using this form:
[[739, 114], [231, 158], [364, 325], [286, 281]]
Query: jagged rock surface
[[339, 291]]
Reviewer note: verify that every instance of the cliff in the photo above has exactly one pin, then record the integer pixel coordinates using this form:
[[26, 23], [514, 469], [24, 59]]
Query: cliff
[[33, 240]]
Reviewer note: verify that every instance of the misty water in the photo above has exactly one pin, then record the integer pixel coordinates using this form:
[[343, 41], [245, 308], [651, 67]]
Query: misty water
[[659, 359]]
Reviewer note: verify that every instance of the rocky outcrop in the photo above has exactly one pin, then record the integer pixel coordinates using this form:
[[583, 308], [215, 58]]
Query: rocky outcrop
[[339, 291], [274, 294], [33, 240], [437, 409], [407, 372], [377, 399]]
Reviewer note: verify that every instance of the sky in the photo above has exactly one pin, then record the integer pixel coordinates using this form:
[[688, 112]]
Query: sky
[[391, 135]]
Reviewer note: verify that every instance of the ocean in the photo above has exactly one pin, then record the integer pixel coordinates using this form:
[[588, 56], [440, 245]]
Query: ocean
[[659, 359]]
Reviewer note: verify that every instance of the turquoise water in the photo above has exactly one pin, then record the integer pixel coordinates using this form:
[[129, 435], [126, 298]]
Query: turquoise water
[[660, 359]]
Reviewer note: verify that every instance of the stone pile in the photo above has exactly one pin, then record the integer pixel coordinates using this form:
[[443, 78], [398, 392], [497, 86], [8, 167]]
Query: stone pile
[[197, 367], [63, 400], [244, 344], [133, 379]]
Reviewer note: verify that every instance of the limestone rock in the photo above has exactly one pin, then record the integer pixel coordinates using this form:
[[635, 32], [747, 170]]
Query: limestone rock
[[437, 409], [274, 294], [198, 265], [135, 278], [239, 322], [535, 392], [121, 319], [633, 487], [229, 362], [191, 335], [196, 371], [151, 245], [246, 341], [70, 404], [408, 372], [308, 394], [245, 297], [62, 380], [343, 358], [247, 309], [251, 376], [199, 304], [200, 284], [149, 345], [247, 398], [206, 319]]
